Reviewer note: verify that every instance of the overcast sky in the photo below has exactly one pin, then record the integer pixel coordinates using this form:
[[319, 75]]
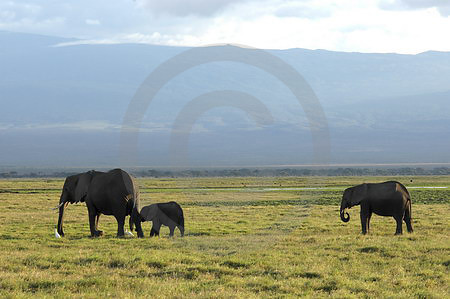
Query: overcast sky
[[402, 26]]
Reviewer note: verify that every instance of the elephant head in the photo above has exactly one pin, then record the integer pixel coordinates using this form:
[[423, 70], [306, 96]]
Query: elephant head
[[148, 213], [351, 197], [75, 190]]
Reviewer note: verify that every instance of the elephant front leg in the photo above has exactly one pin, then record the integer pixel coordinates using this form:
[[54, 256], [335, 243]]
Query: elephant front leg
[[364, 224], [155, 228], [365, 217], [152, 230]]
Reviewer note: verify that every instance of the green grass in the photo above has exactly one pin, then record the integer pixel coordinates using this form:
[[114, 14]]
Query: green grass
[[241, 242]]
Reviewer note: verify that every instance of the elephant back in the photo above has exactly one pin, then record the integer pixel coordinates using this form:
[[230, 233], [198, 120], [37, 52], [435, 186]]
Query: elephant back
[[173, 211]]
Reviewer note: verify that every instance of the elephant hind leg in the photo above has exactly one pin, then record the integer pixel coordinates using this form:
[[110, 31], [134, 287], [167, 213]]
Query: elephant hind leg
[[408, 225], [172, 230], [407, 219], [120, 225], [399, 229], [181, 228], [155, 228]]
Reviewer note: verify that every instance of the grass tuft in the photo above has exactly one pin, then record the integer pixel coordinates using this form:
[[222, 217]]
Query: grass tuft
[[235, 265]]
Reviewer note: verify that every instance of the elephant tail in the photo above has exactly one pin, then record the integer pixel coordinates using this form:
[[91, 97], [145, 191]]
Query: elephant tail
[[408, 202], [406, 196], [410, 209]]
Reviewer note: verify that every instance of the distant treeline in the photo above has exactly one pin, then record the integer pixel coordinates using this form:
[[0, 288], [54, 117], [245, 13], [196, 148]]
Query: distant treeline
[[272, 172], [249, 172]]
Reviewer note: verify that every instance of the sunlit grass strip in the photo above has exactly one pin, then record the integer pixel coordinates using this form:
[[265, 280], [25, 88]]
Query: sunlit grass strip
[[237, 244]]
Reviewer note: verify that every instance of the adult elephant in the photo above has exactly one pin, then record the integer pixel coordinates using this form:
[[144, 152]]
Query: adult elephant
[[110, 193], [384, 199]]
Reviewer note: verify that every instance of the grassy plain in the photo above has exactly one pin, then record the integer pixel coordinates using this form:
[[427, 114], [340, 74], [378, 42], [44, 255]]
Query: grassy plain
[[245, 237]]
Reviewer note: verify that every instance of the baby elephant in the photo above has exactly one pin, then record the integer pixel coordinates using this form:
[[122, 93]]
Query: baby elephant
[[169, 214]]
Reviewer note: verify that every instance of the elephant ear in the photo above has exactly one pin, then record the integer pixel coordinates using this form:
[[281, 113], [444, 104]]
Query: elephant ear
[[149, 212], [82, 186], [358, 194], [69, 188]]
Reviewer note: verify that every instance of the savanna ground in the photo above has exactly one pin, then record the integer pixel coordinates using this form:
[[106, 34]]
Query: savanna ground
[[245, 237]]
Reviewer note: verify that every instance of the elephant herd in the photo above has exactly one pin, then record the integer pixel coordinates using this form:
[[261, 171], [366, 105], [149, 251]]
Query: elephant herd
[[116, 193]]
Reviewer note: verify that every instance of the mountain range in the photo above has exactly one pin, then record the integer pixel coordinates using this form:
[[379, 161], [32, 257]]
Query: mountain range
[[63, 103]]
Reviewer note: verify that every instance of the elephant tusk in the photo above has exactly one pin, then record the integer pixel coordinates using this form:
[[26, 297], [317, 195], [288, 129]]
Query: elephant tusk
[[58, 206]]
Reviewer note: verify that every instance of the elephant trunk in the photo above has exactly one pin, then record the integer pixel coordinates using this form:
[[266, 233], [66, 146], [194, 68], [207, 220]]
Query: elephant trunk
[[62, 204], [133, 205], [131, 224], [342, 210], [182, 226], [135, 218]]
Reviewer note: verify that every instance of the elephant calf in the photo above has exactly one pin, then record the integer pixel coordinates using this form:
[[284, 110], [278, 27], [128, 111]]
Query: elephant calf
[[384, 199], [169, 214]]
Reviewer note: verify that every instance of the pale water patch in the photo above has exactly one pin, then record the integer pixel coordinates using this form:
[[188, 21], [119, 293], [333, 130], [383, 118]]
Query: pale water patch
[[250, 189]]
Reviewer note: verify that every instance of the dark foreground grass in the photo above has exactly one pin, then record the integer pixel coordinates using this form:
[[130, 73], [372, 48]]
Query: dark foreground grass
[[239, 243]]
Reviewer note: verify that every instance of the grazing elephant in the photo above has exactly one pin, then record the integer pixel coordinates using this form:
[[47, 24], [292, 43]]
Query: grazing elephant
[[110, 193], [169, 214], [384, 199]]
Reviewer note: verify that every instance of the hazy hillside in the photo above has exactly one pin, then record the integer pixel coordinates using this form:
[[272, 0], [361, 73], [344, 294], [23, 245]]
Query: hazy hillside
[[64, 105]]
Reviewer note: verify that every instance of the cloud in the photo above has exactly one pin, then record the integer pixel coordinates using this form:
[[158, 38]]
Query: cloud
[[443, 6], [79, 19], [88, 125], [22, 16], [155, 38], [82, 125], [184, 8], [92, 22], [302, 9]]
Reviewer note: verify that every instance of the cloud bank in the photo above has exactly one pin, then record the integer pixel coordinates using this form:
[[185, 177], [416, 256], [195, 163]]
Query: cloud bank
[[339, 25], [185, 8], [443, 6]]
